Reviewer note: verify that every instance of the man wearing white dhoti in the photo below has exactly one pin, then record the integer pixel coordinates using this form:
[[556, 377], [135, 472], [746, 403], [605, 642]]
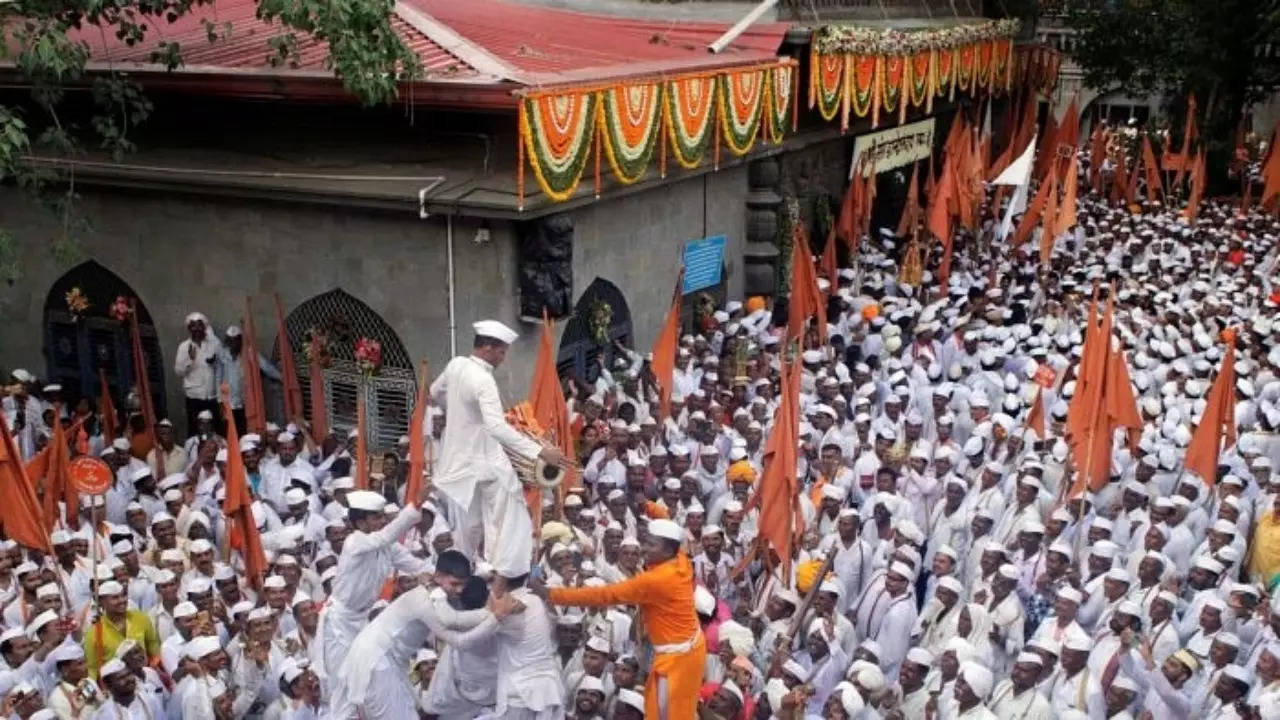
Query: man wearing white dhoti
[[474, 470], [374, 681], [369, 555]]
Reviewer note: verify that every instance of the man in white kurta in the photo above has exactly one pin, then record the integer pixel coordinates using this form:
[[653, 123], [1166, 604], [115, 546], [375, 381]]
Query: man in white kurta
[[369, 555], [374, 681], [474, 470]]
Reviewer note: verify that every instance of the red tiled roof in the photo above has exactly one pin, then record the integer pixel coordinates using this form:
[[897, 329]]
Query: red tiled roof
[[547, 45], [246, 46], [488, 43]]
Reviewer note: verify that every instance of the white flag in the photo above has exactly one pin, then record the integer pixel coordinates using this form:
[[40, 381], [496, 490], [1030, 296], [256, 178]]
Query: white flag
[[1019, 174]]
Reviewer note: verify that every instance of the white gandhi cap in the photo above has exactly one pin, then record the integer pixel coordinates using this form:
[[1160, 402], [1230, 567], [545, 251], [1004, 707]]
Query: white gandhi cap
[[496, 330], [666, 529]]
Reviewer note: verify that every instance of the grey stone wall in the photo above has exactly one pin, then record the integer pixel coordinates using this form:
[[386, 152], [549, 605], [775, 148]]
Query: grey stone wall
[[182, 253]]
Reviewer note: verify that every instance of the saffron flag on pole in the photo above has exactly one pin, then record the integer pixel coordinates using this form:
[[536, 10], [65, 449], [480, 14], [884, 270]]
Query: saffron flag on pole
[[288, 369], [1217, 428], [319, 411], [57, 482], [806, 299], [911, 210], [142, 382], [19, 507], [237, 506], [418, 439], [362, 441], [1035, 418], [107, 409], [255, 407], [777, 496], [1154, 185], [663, 363], [1067, 211], [546, 396]]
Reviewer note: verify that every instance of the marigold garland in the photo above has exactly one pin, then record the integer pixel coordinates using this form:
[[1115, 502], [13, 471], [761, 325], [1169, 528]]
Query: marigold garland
[[741, 100], [557, 131], [919, 76], [944, 71], [892, 73], [862, 84], [826, 84], [629, 123], [777, 110], [689, 109]]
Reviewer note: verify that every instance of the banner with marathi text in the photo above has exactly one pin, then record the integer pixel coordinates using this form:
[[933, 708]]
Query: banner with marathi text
[[893, 147]]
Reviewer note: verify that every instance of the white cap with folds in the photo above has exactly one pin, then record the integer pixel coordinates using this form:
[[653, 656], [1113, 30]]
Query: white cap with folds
[[200, 646], [366, 500], [113, 667], [631, 698], [666, 529], [496, 330]]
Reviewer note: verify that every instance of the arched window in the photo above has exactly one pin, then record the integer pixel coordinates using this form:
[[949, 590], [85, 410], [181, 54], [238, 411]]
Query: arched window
[[389, 395], [586, 337], [78, 345]]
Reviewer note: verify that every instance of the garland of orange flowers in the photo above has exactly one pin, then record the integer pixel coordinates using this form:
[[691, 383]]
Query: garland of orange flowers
[[964, 67], [557, 129], [779, 89], [826, 83], [920, 79], [862, 84], [689, 113], [742, 97], [945, 72], [629, 123], [986, 63]]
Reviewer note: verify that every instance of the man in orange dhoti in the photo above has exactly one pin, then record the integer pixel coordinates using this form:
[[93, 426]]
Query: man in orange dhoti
[[664, 592]]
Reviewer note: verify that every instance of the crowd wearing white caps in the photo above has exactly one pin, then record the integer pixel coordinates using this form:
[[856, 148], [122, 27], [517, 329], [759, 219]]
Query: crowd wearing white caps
[[960, 585]]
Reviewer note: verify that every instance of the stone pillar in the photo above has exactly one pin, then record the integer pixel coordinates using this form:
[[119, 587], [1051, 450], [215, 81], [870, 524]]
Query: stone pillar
[[764, 205]]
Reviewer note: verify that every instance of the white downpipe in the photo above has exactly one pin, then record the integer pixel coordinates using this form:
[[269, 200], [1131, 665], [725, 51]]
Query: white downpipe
[[453, 325], [741, 26]]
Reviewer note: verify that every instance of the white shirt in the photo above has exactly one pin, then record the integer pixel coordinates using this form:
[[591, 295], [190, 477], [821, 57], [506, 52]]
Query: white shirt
[[143, 707], [477, 430], [199, 375]]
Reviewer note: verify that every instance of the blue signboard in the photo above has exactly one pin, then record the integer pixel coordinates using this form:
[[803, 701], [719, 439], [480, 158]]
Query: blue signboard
[[703, 261]]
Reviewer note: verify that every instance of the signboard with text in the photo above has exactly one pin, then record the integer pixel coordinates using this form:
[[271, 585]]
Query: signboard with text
[[894, 147], [703, 261]]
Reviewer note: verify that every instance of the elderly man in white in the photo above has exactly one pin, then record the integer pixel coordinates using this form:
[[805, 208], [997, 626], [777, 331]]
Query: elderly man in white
[[474, 470]]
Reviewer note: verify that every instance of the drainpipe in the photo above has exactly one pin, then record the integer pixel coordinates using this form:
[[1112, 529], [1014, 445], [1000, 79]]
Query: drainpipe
[[741, 26], [423, 192], [453, 325]]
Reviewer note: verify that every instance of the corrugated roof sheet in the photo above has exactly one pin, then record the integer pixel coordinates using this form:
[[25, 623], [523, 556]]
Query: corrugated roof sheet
[[528, 44], [246, 45]]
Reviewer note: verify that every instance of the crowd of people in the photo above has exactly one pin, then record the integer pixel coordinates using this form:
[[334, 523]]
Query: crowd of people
[[942, 567]]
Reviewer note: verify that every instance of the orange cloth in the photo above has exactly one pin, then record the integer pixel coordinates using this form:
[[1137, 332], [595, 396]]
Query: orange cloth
[[654, 511], [665, 596]]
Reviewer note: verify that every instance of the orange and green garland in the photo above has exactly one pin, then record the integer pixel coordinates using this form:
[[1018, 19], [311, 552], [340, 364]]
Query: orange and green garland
[[629, 122]]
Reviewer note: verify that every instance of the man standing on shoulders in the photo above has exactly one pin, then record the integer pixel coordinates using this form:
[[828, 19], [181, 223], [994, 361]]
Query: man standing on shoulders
[[196, 364], [664, 592], [474, 470]]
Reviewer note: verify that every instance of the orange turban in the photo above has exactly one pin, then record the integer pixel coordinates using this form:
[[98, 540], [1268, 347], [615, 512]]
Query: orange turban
[[754, 303], [740, 471], [870, 312]]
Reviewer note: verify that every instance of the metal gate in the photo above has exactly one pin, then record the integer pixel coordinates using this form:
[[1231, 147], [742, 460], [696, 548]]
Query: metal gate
[[389, 395]]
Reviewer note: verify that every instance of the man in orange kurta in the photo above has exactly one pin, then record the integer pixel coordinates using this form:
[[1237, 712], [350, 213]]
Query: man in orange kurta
[[664, 592]]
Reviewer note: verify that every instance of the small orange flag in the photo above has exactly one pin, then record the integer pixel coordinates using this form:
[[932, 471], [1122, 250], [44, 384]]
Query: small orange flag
[[362, 442], [830, 265], [664, 352], [288, 369], [57, 482], [777, 494], [255, 407], [1035, 418], [1097, 150], [1188, 137], [1192, 210], [911, 211], [806, 300], [418, 439], [1031, 217], [19, 508], [237, 506], [106, 408], [1049, 226], [1154, 186], [846, 226], [1217, 428], [546, 395], [1067, 211]]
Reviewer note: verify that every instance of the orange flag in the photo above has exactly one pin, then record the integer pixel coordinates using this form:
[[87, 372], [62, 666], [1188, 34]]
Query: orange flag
[[1097, 149], [846, 226], [319, 412], [1077, 412], [1047, 152], [1091, 435], [664, 352], [1067, 211], [417, 438], [546, 395], [1131, 187], [806, 300], [1217, 428], [1271, 173], [1031, 217], [1068, 136], [777, 494], [1154, 186], [1192, 211], [1122, 406], [939, 222], [1035, 418], [1188, 136], [288, 369], [911, 211], [830, 265], [57, 482], [1048, 230], [362, 442], [107, 409], [19, 508], [237, 506], [142, 382], [255, 407]]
